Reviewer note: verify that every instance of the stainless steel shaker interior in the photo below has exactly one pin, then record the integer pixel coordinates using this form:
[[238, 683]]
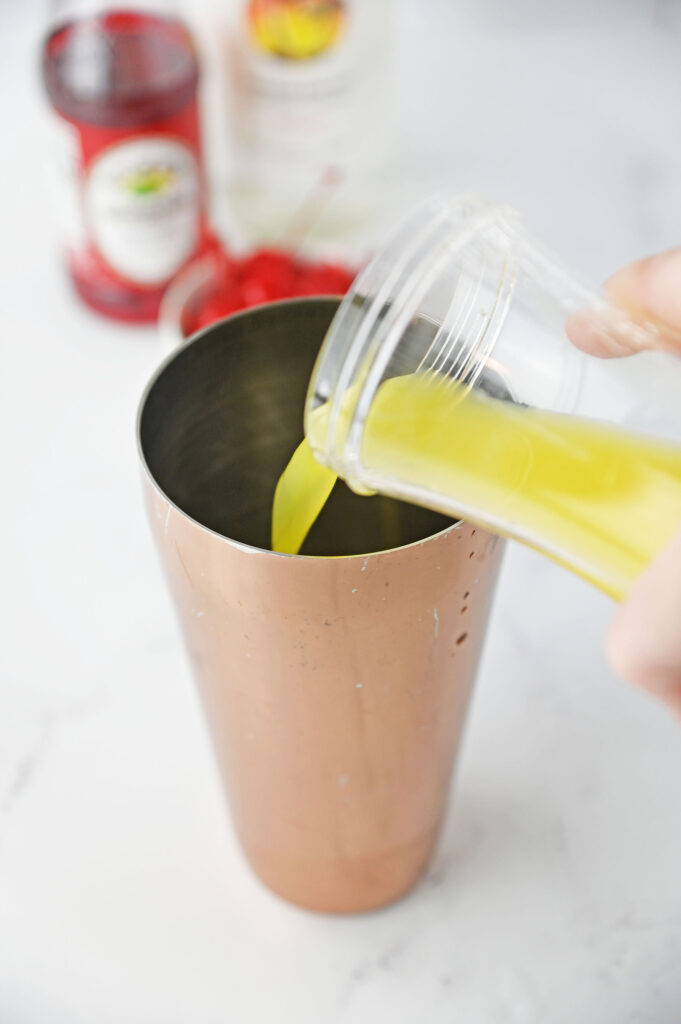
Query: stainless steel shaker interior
[[222, 418]]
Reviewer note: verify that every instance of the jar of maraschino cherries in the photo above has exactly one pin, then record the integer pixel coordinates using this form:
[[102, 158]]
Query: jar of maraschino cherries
[[126, 152]]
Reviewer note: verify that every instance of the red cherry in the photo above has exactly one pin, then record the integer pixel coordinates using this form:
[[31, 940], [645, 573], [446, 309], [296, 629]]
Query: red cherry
[[273, 261], [267, 275], [225, 269], [221, 304], [324, 279]]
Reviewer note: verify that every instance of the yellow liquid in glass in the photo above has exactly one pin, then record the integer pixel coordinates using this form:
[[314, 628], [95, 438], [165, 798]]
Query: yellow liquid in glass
[[593, 497]]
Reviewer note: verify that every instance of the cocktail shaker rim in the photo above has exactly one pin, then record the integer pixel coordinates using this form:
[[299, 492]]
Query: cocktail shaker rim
[[241, 545]]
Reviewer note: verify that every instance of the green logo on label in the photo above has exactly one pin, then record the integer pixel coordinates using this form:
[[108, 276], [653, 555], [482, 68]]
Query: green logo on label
[[147, 181]]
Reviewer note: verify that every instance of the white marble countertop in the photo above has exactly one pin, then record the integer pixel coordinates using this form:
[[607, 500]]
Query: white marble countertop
[[556, 894]]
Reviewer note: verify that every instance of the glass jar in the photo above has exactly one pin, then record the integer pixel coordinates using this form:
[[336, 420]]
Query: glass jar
[[125, 152], [309, 115], [448, 378]]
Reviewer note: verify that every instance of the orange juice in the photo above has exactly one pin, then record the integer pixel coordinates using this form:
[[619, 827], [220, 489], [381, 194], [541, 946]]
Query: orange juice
[[593, 497]]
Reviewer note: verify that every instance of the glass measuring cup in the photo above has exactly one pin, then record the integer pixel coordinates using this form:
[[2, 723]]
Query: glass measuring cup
[[447, 378]]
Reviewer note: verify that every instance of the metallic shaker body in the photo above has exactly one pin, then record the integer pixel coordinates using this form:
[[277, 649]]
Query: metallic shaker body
[[335, 688]]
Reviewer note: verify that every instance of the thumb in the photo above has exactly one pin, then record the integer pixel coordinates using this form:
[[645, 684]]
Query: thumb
[[650, 291]]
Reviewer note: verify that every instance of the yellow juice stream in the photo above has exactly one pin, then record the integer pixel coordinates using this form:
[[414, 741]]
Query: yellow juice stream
[[597, 499]]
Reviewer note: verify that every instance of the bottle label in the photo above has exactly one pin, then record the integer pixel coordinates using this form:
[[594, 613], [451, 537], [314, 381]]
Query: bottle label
[[141, 200], [127, 206], [64, 169], [296, 29], [294, 79], [309, 93]]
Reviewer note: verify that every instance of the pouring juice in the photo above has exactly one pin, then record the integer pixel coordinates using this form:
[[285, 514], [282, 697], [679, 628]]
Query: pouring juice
[[447, 378], [595, 498]]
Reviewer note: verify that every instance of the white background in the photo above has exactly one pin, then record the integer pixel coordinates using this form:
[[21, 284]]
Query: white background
[[556, 893]]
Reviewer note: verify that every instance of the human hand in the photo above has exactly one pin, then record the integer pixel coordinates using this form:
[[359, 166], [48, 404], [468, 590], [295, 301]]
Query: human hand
[[644, 640]]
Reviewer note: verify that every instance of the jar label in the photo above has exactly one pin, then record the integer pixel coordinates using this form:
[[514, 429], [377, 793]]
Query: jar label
[[64, 169], [294, 78], [142, 207]]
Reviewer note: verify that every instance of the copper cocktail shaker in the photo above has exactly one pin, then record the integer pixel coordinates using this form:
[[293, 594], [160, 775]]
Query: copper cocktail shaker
[[335, 688]]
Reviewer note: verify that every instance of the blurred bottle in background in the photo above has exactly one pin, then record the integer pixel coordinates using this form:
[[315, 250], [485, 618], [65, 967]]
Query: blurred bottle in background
[[308, 112], [126, 151]]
